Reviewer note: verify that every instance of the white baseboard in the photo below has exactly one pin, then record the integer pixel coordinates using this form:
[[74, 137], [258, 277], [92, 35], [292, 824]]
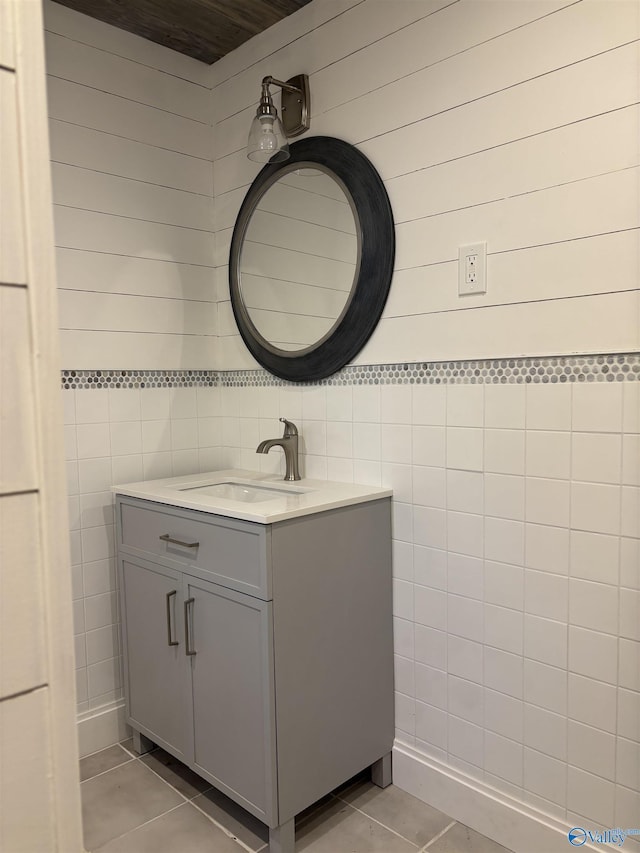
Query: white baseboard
[[511, 823], [102, 727]]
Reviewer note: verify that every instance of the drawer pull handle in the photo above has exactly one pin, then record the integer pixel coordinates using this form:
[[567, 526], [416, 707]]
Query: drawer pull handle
[[187, 612], [166, 538], [170, 640]]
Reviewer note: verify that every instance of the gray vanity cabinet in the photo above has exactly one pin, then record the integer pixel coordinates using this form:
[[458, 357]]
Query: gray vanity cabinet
[[231, 696], [157, 684], [260, 655]]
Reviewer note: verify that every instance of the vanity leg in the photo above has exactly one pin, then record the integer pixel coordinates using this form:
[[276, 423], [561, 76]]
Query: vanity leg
[[141, 743], [381, 771], [282, 838]]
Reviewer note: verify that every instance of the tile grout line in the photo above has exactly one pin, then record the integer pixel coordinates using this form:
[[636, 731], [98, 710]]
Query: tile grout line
[[103, 772], [136, 828], [173, 788], [438, 836], [226, 831], [173, 808], [379, 822]]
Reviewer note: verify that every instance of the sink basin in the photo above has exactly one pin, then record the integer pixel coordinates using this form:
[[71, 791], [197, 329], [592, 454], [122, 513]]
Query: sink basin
[[244, 492]]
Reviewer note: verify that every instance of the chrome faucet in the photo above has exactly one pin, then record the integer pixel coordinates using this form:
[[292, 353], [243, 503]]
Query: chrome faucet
[[289, 443]]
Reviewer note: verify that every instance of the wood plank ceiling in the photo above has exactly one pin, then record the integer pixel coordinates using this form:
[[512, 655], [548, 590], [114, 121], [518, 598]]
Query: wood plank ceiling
[[203, 29]]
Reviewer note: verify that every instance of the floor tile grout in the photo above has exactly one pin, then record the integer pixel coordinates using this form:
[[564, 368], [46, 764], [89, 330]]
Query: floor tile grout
[[226, 831], [439, 835], [379, 822], [162, 779], [146, 823], [98, 751], [108, 770]]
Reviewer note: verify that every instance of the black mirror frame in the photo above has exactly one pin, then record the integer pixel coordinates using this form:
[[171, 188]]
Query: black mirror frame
[[377, 255]]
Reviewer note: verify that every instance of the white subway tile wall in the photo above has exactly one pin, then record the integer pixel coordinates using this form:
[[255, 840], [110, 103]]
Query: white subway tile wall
[[488, 614], [134, 427], [517, 646]]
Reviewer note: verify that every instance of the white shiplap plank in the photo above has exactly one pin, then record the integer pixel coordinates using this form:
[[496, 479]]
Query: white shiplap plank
[[17, 429], [221, 282], [7, 46], [571, 211], [99, 110], [100, 232], [523, 54], [321, 47], [223, 247], [540, 48], [607, 323], [82, 28], [84, 350], [71, 60], [568, 95], [602, 264], [227, 207], [456, 28], [26, 775], [81, 270], [114, 155], [603, 144], [88, 190], [226, 321], [234, 355], [233, 171], [12, 253], [21, 600], [118, 312]]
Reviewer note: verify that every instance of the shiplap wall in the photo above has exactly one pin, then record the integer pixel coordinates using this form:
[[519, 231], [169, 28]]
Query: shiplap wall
[[510, 122], [131, 151], [39, 784]]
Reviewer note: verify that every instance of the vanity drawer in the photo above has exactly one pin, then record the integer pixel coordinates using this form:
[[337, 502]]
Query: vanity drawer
[[231, 553]]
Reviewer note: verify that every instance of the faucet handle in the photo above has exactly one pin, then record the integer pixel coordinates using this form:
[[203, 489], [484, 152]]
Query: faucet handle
[[289, 428]]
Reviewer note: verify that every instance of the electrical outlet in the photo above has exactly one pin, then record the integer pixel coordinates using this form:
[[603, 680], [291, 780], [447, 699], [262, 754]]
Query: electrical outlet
[[472, 269]]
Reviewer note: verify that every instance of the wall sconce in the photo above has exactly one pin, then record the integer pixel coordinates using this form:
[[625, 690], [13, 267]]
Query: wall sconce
[[268, 135]]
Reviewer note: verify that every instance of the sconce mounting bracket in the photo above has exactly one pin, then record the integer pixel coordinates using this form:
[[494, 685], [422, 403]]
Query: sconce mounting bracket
[[295, 106]]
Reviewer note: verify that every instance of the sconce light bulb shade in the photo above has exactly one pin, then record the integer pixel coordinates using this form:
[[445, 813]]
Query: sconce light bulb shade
[[267, 141]]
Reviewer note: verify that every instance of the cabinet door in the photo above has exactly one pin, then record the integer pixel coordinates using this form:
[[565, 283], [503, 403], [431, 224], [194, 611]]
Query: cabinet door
[[156, 670], [232, 692]]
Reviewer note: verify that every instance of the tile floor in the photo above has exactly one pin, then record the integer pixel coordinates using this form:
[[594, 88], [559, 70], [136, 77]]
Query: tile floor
[[154, 804]]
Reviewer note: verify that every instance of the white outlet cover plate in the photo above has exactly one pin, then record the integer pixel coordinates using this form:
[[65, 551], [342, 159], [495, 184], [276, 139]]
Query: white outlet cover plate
[[466, 288]]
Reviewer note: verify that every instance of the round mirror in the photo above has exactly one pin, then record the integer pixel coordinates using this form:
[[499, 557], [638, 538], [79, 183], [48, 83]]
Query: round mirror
[[311, 259], [299, 258]]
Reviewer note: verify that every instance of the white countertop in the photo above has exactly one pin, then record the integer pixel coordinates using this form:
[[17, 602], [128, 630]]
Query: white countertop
[[302, 497]]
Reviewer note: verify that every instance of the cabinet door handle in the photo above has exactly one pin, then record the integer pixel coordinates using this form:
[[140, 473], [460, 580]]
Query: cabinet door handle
[[187, 612], [170, 640], [166, 538]]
